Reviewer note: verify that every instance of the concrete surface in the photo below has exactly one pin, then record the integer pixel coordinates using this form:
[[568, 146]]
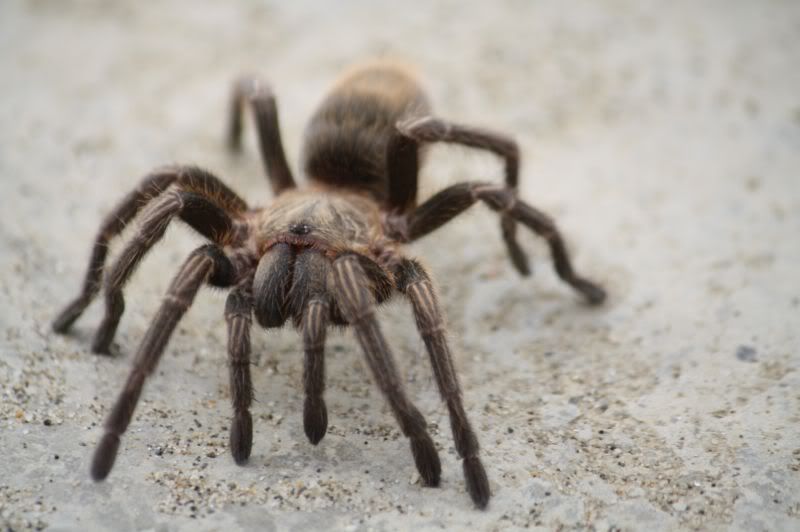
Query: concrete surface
[[663, 137]]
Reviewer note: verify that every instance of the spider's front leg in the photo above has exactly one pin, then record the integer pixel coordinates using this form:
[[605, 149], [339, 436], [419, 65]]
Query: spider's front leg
[[207, 264], [238, 312], [357, 304], [414, 282]]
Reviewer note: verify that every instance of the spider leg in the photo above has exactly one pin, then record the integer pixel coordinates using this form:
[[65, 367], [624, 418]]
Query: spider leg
[[265, 112], [153, 185], [414, 282], [205, 264], [454, 200], [357, 304], [315, 413], [114, 223], [238, 311], [402, 168], [309, 301], [431, 129], [210, 220]]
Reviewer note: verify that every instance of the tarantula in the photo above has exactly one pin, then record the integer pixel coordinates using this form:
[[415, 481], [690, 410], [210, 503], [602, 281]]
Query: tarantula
[[325, 254]]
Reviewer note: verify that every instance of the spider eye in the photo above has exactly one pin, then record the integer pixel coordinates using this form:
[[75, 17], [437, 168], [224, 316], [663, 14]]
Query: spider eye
[[299, 229]]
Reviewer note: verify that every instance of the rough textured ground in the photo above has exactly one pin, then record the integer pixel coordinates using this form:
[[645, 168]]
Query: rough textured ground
[[664, 138]]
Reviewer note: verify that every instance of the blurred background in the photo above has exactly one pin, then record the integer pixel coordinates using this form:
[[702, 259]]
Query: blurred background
[[663, 138]]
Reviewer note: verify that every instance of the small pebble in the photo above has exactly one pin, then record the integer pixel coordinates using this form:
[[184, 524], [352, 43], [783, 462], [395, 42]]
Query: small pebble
[[746, 353]]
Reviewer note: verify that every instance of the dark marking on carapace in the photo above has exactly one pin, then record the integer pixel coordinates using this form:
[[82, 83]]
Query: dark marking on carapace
[[300, 229]]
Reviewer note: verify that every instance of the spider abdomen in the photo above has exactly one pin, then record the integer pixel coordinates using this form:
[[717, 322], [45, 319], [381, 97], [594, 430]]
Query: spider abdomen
[[347, 138]]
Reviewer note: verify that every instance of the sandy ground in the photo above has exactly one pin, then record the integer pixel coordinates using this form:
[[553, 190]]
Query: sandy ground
[[664, 138]]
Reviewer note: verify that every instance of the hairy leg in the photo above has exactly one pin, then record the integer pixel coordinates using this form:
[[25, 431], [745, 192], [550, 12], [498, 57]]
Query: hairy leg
[[188, 179], [265, 112], [402, 167], [454, 200], [350, 287], [309, 302], [271, 284], [430, 129], [238, 312], [209, 219], [315, 413], [414, 282], [203, 265]]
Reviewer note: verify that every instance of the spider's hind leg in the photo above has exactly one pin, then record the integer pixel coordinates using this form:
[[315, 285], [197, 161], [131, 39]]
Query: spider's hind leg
[[315, 412], [431, 129], [265, 112]]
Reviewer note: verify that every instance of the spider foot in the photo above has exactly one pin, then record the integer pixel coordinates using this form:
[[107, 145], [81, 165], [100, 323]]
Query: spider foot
[[104, 456], [427, 459], [593, 293], [517, 255], [521, 265], [101, 345], [315, 419], [115, 306], [477, 482], [241, 437], [519, 259], [68, 316]]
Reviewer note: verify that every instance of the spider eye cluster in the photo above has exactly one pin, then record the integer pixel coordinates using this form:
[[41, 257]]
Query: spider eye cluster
[[300, 229]]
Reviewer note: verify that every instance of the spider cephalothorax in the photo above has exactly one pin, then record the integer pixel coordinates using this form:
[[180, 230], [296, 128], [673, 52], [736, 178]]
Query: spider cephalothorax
[[325, 254]]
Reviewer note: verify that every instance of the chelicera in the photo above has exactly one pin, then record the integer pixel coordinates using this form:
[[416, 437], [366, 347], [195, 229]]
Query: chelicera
[[324, 254]]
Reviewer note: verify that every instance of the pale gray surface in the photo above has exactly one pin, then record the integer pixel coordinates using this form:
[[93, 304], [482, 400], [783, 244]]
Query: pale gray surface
[[663, 137]]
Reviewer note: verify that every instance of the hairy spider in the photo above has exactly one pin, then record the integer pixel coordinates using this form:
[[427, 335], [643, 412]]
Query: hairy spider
[[326, 254]]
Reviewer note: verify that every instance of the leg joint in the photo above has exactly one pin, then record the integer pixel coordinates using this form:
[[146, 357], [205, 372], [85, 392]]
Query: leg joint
[[223, 273], [498, 198], [361, 316], [176, 302], [432, 330]]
